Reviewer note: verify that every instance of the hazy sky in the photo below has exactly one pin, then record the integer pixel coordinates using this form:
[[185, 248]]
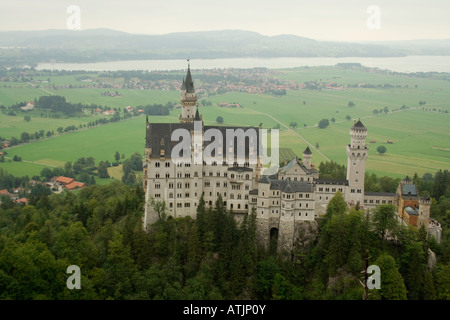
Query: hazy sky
[[336, 20]]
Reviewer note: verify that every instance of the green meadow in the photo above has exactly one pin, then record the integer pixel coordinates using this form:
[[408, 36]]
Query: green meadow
[[420, 138]]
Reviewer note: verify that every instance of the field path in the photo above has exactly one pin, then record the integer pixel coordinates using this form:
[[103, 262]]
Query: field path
[[40, 163], [296, 133], [43, 89]]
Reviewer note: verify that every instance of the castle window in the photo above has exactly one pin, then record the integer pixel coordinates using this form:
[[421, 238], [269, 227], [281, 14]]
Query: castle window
[[157, 176], [307, 195], [217, 184], [171, 205], [157, 186], [195, 174], [167, 175], [187, 185], [167, 164], [171, 195], [157, 164], [327, 189], [247, 176], [320, 189], [187, 195], [246, 197], [352, 190], [171, 185], [333, 190], [307, 205], [358, 191]]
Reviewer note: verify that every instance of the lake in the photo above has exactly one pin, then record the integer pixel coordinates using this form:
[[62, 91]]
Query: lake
[[398, 64]]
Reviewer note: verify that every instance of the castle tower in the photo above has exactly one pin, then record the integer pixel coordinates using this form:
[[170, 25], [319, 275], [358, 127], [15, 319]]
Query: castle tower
[[188, 99], [307, 155], [424, 212], [356, 163]]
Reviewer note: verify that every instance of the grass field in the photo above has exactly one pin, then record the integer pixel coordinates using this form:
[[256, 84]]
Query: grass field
[[421, 138]]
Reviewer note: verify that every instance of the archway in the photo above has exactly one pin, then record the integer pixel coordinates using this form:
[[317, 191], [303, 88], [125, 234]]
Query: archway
[[273, 240]]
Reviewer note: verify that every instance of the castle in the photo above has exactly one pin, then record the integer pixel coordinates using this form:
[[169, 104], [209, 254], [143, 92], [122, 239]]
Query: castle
[[285, 201]]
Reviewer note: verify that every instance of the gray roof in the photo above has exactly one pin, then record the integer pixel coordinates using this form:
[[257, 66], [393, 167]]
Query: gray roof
[[240, 169], [331, 181], [409, 189], [295, 160], [380, 194], [158, 137], [307, 151], [253, 191], [359, 125], [411, 211], [289, 186], [264, 179]]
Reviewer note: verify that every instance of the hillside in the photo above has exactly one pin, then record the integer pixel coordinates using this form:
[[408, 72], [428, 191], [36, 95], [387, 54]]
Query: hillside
[[30, 47]]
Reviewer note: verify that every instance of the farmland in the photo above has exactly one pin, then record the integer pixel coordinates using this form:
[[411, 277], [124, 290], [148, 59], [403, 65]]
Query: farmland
[[419, 131]]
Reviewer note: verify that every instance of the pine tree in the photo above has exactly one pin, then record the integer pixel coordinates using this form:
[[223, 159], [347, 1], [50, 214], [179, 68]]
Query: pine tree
[[392, 286]]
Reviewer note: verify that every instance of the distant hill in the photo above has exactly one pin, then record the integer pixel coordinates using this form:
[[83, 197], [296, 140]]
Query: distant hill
[[107, 45]]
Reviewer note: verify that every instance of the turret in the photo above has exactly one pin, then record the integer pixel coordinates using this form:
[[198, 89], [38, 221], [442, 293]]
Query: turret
[[188, 98], [307, 155], [357, 153]]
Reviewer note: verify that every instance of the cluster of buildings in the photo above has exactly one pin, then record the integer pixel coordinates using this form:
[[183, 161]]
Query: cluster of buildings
[[56, 185], [283, 201], [13, 196]]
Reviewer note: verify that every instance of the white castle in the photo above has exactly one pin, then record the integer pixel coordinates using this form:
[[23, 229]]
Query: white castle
[[284, 201]]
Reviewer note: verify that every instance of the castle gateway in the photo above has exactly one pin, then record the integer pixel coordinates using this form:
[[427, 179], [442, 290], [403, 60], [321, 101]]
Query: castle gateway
[[287, 201]]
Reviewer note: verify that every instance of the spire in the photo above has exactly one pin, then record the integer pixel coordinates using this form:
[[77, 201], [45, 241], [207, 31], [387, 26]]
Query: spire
[[188, 82], [183, 85], [359, 125], [197, 115], [307, 151]]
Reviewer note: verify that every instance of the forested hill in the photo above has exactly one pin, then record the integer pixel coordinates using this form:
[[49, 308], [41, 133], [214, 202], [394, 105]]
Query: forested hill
[[99, 229], [108, 45]]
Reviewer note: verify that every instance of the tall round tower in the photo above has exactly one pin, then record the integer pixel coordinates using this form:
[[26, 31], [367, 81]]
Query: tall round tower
[[307, 155], [356, 163], [188, 98]]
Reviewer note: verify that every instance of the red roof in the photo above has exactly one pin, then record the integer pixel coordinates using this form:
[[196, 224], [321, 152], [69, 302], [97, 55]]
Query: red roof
[[64, 180], [22, 200], [4, 191], [74, 185]]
